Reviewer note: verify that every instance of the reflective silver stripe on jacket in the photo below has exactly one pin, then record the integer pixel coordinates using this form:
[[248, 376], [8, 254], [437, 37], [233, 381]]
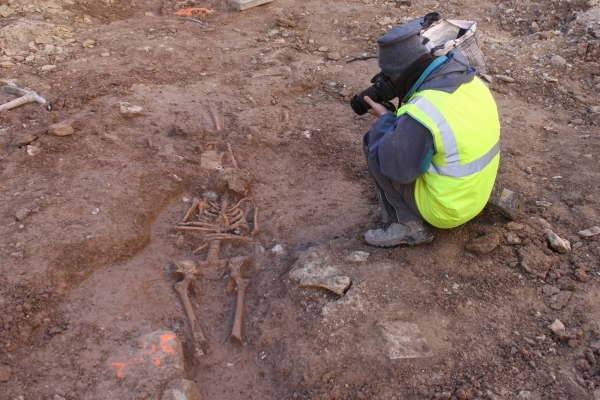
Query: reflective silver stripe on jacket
[[446, 132], [458, 170], [453, 168]]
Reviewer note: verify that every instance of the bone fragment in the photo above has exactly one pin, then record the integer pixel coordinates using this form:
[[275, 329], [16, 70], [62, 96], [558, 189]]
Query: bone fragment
[[236, 266], [181, 287], [232, 157], [215, 116], [242, 285], [335, 284]]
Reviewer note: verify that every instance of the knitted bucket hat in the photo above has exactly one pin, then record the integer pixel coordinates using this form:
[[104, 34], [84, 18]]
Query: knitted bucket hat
[[400, 47]]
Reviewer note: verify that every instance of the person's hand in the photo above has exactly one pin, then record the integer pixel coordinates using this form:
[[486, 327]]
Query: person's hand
[[376, 109]]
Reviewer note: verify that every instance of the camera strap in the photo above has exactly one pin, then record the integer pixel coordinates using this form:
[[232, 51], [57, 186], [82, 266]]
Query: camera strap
[[434, 64]]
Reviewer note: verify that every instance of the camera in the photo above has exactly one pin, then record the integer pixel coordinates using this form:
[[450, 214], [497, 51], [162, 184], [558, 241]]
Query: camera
[[381, 92]]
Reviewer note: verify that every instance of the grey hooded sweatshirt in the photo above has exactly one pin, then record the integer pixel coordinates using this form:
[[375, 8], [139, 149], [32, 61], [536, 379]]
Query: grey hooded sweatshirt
[[400, 148]]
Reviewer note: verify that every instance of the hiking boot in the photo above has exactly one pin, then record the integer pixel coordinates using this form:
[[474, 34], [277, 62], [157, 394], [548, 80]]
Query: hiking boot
[[410, 233], [506, 202]]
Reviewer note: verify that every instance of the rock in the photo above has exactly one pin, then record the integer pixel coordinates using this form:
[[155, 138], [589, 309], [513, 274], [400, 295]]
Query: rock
[[22, 213], [560, 300], [48, 68], [145, 365], [422, 390], [6, 11], [557, 326], [550, 290], [566, 283], [5, 373], [323, 49], [589, 355], [335, 284], [33, 150], [542, 223], [181, 389], [22, 139], [560, 245], [234, 180], [528, 170], [464, 393], [211, 160], [534, 261], [594, 110], [64, 128], [591, 3], [105, 54], [129, 111], [588, 233], [505, 78], [582, 365], [581, 276], [357, 257], [546, 35], [535, 28], [88, 43], [7, 64], [43, 40], [278, 249], [405, 340], [483, 244], [334, 56], [511, 238], [527, 395], [542, 203], [577, 121], [286, 23], [569, 382], [557, 60], [515, 226]]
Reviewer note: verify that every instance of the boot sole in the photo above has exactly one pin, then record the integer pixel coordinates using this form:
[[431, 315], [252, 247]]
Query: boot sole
[[410, 242]]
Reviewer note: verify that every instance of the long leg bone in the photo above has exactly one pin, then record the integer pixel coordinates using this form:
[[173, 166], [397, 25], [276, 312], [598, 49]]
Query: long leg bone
[[181, 287], [242, 285]]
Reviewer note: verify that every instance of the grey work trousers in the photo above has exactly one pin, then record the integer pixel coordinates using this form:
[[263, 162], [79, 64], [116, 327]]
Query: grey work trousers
[[396, 201]]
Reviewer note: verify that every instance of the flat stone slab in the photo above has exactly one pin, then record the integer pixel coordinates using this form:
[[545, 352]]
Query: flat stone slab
[[534, 261], [483, 244], [182, 389], [560, 300], [211, 160], [588, 233], [143, 367], [559, 244], [405, 340], [357, 257], [335, 284]]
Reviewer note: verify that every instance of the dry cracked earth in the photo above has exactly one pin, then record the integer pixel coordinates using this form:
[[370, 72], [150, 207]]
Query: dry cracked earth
[[144, 107]]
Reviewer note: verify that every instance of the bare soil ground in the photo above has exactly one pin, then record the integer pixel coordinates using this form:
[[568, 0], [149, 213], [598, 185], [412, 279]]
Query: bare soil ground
[[86, 272]]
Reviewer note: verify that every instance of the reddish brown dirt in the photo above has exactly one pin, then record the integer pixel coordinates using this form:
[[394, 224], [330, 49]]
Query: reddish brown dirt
[[86, 271]]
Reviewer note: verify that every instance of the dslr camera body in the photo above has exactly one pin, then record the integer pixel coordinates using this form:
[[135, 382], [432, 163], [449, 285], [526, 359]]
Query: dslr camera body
[[382, 91]]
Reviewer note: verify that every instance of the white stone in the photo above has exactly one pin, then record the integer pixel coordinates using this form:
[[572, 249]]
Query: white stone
[[128, 111], [357, 257], [88, 43], [557, 243], [588, 233], [33, 150], [557, 326], [277, 249]]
